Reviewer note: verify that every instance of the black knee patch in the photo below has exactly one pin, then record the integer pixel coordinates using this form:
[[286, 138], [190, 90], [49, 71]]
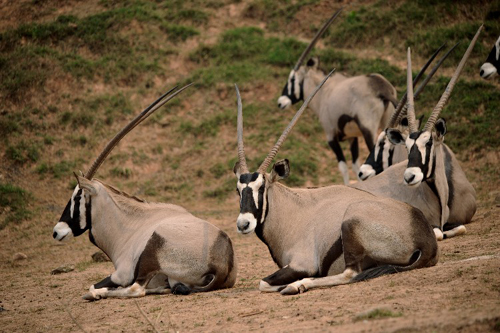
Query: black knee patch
[[180, 289]]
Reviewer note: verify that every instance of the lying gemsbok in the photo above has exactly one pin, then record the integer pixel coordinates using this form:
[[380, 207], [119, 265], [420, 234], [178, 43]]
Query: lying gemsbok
[[326, 236], [155, 247], [383, 175], [427, 153]]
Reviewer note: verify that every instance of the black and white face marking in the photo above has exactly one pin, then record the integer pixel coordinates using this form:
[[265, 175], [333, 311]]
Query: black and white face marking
[[491, 67], [420, 146], [75, 218], [380, 158], [293, 91], [253, 201]]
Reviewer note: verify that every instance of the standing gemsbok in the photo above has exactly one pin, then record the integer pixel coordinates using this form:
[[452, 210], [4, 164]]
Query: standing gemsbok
[[155, 247], [427, 154], [326, 236], [347, 107]]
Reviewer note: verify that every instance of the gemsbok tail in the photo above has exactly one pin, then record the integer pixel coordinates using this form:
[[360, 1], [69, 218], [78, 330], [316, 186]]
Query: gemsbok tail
[[375, 272]]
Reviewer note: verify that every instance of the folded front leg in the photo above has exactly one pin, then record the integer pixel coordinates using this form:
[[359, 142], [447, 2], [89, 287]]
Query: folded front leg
[[281, 278]]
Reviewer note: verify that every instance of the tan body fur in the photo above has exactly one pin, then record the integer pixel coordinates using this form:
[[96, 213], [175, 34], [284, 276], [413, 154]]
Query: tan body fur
[[185, 250]]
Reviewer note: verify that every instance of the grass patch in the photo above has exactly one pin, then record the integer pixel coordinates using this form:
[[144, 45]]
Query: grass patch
[[23, 152], [377, 314], [178, 33], [278, 14], [13, 204], [58, 170]]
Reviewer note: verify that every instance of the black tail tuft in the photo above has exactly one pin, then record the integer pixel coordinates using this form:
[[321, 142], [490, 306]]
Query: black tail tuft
[[374, 272], [180, 289]]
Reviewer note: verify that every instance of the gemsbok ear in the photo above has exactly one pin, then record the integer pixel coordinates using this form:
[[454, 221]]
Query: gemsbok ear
[[440, 127], [313, 62], [87, 186], [404, 122], [395, 136], [236, 169], [281, 170]]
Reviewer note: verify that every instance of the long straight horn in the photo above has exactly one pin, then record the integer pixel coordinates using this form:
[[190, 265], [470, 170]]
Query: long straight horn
[[315, 39], [424, 83], [130, 126], [277, 146], [239, 125], [412, 123], [444, 98], [397, 115]]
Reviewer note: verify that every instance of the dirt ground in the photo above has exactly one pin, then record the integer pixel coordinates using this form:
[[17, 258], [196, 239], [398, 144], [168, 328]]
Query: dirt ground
[[461, 293]]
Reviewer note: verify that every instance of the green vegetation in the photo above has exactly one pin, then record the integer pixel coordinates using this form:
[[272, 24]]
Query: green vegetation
[[377, 314], [14, 203]]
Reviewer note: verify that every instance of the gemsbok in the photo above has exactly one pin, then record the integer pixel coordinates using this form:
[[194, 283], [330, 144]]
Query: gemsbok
[[326, 236], [428, 156], [347, 107], [491, 66], [156, 248]]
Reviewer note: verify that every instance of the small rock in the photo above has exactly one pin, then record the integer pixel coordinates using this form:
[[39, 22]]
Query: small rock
[[63, 269], [497, 200], [19, 256], [100, 257]]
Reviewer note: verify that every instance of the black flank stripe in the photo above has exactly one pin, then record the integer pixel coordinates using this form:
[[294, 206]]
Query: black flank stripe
[[148, 261]]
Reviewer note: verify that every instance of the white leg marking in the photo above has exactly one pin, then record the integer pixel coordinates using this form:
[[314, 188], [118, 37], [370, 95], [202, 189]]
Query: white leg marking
[[355, 168], [439, 234], [135, 290], [460, 230], [345, 172], [328, 281]]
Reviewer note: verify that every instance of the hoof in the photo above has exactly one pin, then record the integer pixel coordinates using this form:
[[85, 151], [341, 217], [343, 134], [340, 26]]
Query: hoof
[[290, 290], [90, 297], [180, 289], [439, 234]]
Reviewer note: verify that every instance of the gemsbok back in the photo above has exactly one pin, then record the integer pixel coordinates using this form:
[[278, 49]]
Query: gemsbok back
[[428, 157], [347, 107], [491, 66], [386, 164], [156, 248], [326, 236]]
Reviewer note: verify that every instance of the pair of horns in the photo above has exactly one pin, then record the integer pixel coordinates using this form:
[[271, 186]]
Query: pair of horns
[[315, 39], [274, 151], [136, 121], [402, 106], [444, 97]]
